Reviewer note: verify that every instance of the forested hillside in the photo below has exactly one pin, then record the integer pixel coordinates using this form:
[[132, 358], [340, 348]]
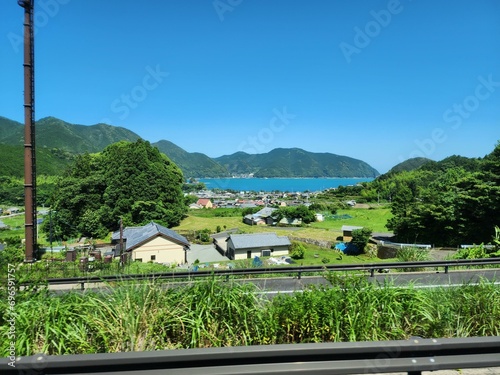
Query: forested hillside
[[295, 162], [451, 202], [55, 133], [192, 164]]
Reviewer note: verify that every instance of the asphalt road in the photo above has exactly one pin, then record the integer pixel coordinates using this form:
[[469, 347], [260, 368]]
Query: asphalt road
[[288, 285]]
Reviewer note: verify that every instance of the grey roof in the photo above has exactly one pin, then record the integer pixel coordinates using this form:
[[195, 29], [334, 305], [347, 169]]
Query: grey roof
[[138, 235], [350, 228], [244, 241], [265, 212]]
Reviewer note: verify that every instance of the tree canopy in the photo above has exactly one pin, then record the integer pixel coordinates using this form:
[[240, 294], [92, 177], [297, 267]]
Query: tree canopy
[[453, 202], [131, 181]]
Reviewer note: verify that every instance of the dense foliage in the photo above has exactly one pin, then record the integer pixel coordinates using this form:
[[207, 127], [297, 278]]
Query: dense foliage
[[132, 181], [295, 162], [12, 190], [148, 316], [301, 212], [448, 203], [360, 238]]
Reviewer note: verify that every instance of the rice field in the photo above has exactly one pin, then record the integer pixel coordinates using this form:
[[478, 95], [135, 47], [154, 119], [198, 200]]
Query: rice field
[[148, 316]]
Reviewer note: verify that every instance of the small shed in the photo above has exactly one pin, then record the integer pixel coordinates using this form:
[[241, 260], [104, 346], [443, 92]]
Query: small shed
[[347, 232]]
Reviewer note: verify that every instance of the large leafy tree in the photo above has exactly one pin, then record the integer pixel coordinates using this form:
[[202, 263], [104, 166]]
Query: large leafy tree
[[448, 203], [129, 181]]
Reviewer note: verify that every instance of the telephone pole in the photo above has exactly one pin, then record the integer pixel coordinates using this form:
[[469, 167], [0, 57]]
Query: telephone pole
[[29, 132]]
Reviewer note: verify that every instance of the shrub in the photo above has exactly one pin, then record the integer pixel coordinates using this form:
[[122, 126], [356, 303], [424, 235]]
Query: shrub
[[360, 238], [297, 250], [412, 254]]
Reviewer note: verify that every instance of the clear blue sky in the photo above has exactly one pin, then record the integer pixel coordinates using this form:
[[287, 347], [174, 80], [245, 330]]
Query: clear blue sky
[[376, 80]]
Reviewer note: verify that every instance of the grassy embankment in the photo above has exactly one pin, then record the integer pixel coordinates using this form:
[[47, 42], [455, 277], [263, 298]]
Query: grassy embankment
[[146, 316]]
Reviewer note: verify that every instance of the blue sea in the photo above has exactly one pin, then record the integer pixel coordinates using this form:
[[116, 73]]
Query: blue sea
[[279, 184]]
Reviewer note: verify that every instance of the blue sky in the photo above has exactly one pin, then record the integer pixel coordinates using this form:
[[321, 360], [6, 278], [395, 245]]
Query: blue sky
[[380, 81]]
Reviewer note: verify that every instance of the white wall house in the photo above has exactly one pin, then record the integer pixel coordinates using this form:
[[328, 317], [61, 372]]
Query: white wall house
[[247, 246], [153, 243]]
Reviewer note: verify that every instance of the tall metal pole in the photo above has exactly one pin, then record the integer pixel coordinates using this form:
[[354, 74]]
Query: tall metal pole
[[29, 132]]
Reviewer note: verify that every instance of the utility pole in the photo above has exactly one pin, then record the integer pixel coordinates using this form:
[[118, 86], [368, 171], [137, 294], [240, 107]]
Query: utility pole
[[50, 233], [29, 132], [122, 262]]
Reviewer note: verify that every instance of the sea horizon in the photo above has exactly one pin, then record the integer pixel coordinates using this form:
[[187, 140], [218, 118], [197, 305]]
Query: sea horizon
[[282, 184]]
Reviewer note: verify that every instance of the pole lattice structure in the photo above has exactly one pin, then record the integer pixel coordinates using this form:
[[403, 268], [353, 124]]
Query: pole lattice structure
[[29, 132]]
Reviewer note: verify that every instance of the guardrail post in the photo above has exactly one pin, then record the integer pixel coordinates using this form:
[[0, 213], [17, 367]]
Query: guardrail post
[[299, 275], [82, 285], [372, 272], [446, 269]]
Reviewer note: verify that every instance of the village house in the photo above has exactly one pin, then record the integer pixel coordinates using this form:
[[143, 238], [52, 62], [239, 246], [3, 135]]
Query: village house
[[152, 243], [205, 203], [247, 246], [262, 217]]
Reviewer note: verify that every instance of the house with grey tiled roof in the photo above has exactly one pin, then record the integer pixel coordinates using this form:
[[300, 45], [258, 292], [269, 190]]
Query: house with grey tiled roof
[[152, 243], [247, 246], [262, 217]]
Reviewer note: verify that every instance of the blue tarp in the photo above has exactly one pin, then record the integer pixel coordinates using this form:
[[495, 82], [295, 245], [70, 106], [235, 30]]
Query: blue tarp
[[348, 249]]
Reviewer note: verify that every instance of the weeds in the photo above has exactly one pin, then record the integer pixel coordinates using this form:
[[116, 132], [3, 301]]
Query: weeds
[[153, 315]]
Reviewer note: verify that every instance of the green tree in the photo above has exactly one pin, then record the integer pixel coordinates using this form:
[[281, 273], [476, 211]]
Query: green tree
[[133, 181], [297, 250], [360, 238]]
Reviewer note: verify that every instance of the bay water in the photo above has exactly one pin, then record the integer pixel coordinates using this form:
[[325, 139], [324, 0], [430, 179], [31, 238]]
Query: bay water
[[290, 185]]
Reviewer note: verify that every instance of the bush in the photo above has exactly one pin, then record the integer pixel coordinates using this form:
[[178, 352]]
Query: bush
[[412, 254], [360, 238], [297, 250]]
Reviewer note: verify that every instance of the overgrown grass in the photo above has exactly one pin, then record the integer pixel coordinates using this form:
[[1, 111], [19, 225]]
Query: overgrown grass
[[374, 218], [149, 316]]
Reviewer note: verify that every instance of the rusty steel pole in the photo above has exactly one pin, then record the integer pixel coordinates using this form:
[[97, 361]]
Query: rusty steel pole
[[29, 133]]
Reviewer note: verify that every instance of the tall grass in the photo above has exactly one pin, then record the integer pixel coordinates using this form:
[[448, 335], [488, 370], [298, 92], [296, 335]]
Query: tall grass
[[152, 316]]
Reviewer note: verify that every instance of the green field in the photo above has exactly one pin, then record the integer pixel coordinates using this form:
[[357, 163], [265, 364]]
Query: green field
[[16, 226], [374, 218]]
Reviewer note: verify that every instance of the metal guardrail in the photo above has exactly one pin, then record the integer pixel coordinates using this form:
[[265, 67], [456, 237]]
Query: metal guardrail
[[412, 356], [297, 270]]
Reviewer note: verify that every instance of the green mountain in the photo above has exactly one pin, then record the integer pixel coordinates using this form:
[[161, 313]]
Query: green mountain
[[50, 162], [192, 164], [55, 133], [295, 162], [56, 140], [409, 165]]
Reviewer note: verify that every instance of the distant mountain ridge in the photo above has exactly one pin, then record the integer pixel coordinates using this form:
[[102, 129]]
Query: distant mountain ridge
[[55, 134], [295, 162]]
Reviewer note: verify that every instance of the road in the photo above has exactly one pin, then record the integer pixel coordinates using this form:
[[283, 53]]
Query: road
[[288, 285]]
